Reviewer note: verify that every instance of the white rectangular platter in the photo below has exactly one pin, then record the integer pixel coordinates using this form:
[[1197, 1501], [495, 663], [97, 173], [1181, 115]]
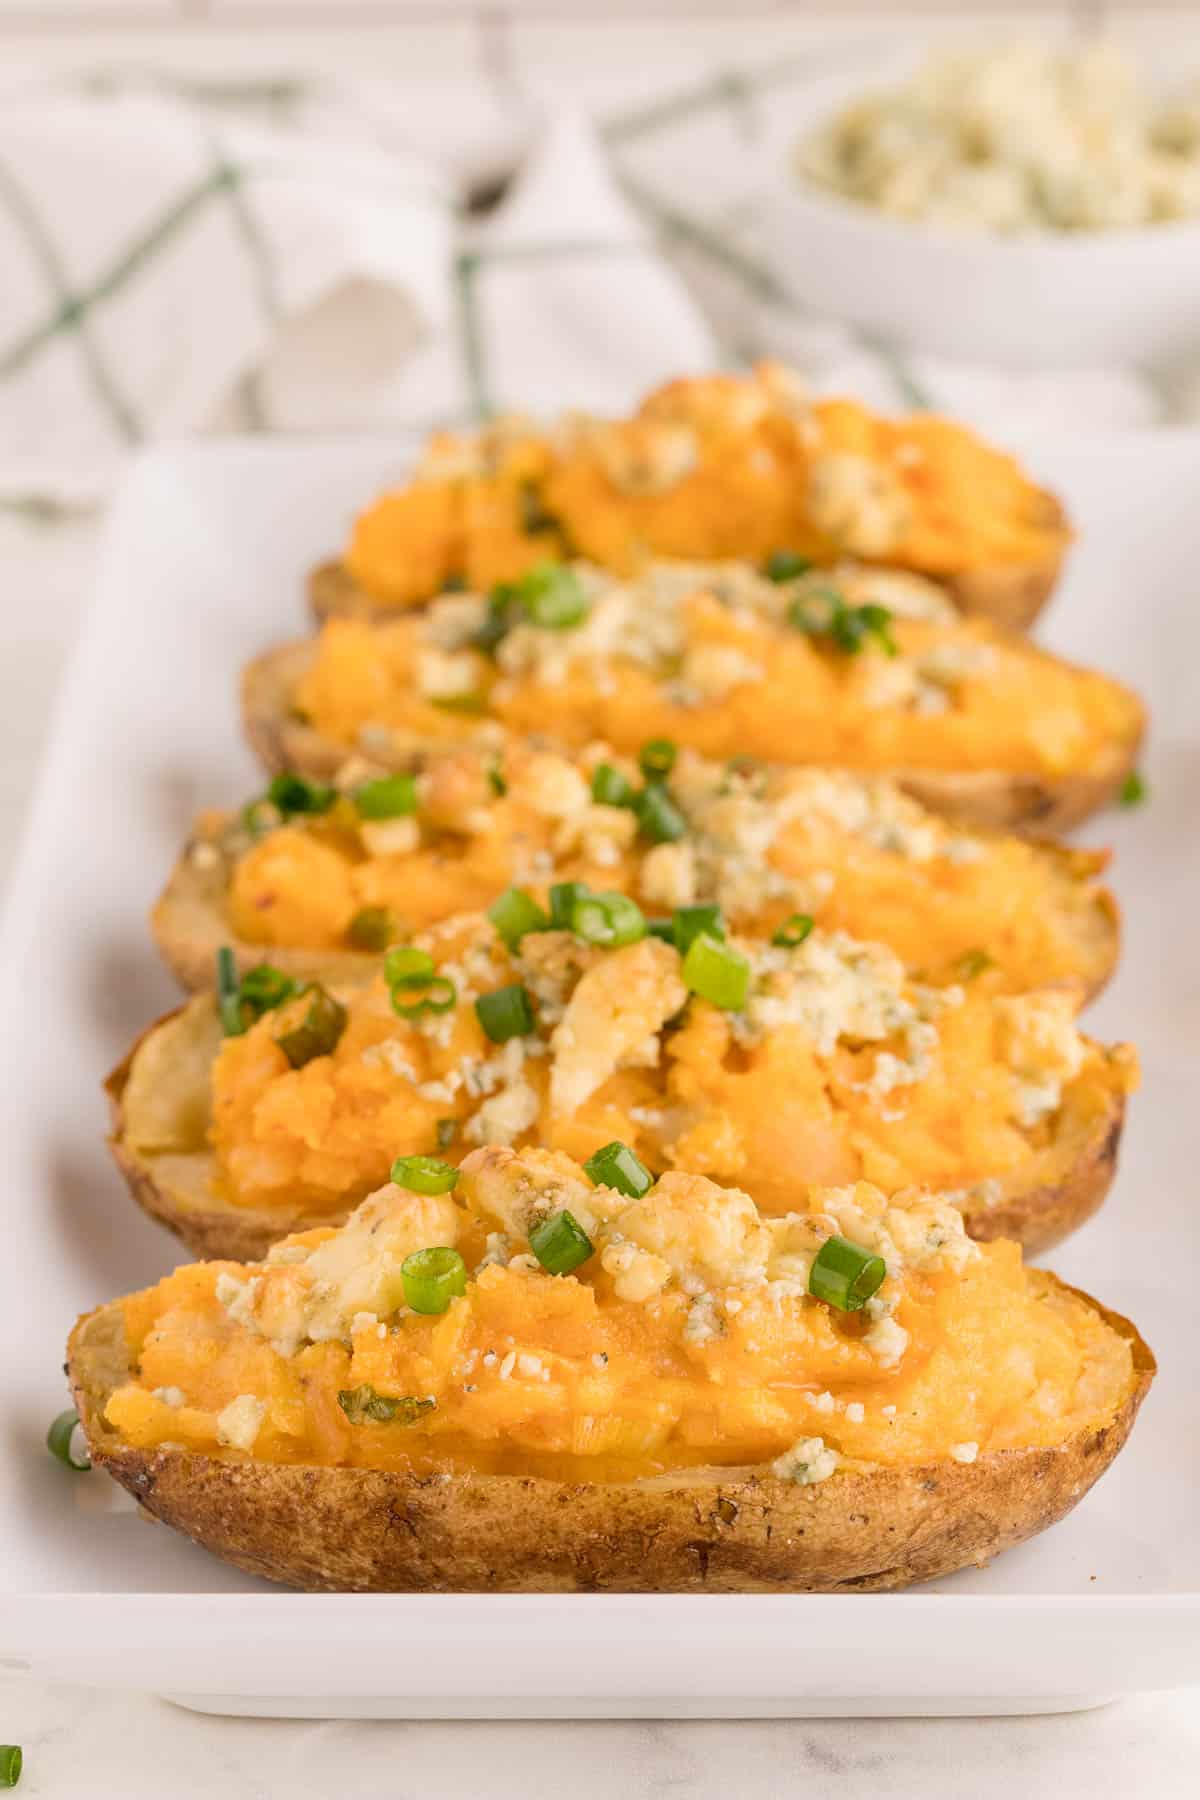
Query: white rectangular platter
[[203, 566]]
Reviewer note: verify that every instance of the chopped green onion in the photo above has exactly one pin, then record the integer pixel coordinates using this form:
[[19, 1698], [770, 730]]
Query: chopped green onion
[[515, 913], [406, 966], [11, 1764], [563, 896], [658, 817], [505, 1013], [608, 919], [502, 615], [496, 781], [560, 1243], [690, 921], [785, 565], [390, 797], [229, 993], [241, 1003], [824, 612], [58, 1442], [372, 928], [318, 1032], [363, 1406], [432, 1278], [845, 1275], [972, 963], [610, 787], [661, 928], [656, 758], [552, 596], [447, 1131], [616, 1166], [793, 931], [439, 995], [1134, 789], [424, 1174], [717, 972], [293, 794]]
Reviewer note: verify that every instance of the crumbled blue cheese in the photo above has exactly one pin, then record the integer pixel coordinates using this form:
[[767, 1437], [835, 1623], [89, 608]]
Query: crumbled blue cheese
[[638, 1274], [964, 1453], [808, 1461], [238, 1425], [858, 503], [831, 986], [170, 1396]]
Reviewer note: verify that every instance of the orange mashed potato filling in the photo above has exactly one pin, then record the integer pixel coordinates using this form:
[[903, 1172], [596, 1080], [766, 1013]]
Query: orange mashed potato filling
[[962, 1351], [783, 696], [797, 1100], [859, 857], [720, 467]]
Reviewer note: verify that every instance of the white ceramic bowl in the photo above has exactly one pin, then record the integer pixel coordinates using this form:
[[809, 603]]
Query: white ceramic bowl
[[1039, 300]]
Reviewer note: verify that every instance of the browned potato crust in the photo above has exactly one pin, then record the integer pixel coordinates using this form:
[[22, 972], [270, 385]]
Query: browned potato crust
[[1029, 804], [1010, 594], [727, 1530], [159, 1142]]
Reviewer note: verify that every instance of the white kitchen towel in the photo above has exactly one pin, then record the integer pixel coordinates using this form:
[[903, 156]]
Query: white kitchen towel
[[173, 266]]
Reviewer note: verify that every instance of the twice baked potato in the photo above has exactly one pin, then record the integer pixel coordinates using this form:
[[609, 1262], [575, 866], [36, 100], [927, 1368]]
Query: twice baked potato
[[555, 1379], [710, 469], [873, 671], [317, 877], [786, 1064]]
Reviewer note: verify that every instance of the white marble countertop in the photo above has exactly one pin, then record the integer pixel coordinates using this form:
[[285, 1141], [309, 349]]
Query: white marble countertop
[[76, 1741]]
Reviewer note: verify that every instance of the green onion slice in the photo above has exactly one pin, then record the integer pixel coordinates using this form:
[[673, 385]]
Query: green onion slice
[[447, 1131], [560, 1243], [1134, 789], [563, 896], [515, 913], [610, 787], [424, 1174], [785, 565], [229, 993], [432, 1278], [363, 1406], [552, 596], [658, 817], [717, 973], [608, 919], [972, 963], [438, 995], [656, 758], [11, 1763], [616, 1166], [58, 1442], [690, 921], [661, 928], [318, 1032], [505, 1013], [406, 966], [793, 931], [845, 1275], [293, 794], [390, 797], [372, 928], [496, 781]]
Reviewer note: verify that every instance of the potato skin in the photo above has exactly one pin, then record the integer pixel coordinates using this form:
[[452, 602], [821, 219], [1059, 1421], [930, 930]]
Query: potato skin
[[1010, 594], [182, 1197], [731, 1530], [1030, 805]]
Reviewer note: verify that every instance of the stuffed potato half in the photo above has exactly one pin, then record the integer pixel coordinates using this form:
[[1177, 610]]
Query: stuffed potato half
[[866, 669], [545, 1382], [709, 469], [781, 1065], [318, 877]]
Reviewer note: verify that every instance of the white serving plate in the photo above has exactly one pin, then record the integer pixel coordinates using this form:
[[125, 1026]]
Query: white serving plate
[[203, 566], [1042, 299]]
